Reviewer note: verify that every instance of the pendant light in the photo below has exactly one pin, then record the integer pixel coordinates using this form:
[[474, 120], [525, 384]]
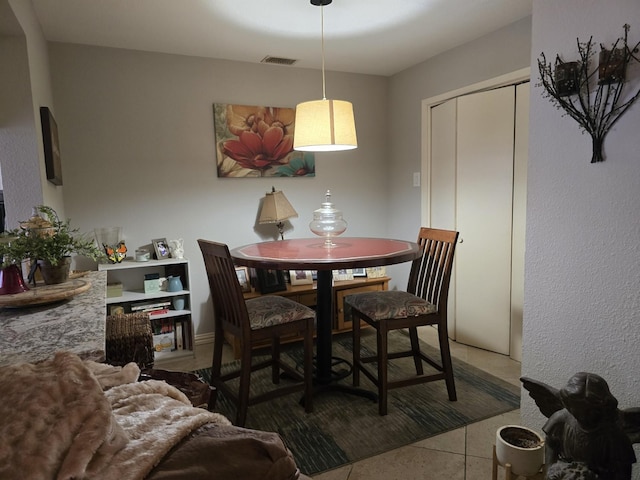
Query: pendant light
[[324, 125]]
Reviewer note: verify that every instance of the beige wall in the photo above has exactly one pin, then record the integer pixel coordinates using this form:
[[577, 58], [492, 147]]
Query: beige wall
[[136, 130], [27, 160]]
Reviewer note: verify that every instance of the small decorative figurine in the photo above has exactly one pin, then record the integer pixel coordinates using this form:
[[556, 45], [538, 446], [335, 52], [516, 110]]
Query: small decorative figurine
[[176, 247], [587, 436], [117, 253]]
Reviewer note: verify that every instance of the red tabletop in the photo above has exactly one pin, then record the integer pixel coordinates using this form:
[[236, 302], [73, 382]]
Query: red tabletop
[[312, 254]]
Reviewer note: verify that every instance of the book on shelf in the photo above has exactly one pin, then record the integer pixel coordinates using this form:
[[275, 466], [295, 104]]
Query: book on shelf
[[159, 311], [163, 325], [186, 335], [179, 338], [141, 307]]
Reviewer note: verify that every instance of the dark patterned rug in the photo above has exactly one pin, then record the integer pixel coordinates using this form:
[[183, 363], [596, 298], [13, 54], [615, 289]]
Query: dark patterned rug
[[344, 428]]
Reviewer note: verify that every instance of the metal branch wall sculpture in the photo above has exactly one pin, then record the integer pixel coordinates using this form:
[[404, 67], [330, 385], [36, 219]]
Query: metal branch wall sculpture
[[572, 87]]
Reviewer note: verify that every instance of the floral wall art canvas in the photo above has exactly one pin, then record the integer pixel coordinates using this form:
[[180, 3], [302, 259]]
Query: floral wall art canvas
[[257, 141]]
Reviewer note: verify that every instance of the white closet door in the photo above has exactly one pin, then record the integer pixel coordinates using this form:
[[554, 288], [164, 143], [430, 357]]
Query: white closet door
[[484, 200], [442, 182]]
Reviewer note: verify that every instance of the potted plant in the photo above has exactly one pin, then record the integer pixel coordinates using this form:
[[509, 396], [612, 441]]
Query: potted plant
[[520, 447], [51, 241]]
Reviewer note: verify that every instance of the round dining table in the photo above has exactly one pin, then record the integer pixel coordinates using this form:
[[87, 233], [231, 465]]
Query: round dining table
[[314, 254]]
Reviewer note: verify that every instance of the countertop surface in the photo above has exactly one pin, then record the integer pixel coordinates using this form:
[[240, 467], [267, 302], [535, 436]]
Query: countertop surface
[[30, 334]]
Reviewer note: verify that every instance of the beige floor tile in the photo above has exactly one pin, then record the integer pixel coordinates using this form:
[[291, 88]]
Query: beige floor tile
[[202, 359], [452, 442], [481, 436], [482, 469], [341, 473], [410, 463], [477, 468]]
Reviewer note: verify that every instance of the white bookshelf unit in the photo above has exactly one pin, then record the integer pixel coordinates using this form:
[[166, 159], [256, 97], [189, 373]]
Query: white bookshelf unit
[[131, 274]]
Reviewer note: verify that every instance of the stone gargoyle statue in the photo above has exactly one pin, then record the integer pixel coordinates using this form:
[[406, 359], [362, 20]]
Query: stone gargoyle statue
[[587, 436]]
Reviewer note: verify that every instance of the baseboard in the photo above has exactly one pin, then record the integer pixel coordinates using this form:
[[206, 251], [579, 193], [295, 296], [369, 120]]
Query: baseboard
[[204, 338]]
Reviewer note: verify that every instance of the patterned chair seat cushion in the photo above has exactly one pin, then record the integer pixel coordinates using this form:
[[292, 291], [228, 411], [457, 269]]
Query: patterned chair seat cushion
[[389, 304], [271, 310]]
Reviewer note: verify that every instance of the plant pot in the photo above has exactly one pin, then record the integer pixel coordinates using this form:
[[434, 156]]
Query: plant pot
[[520, 447], [54, 274]]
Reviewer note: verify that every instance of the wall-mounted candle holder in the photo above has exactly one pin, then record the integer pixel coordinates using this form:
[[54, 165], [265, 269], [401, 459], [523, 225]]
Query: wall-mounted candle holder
[[595, 105], [566, 77]]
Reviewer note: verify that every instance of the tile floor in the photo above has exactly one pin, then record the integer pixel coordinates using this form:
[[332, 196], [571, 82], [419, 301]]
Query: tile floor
[[463, 454]]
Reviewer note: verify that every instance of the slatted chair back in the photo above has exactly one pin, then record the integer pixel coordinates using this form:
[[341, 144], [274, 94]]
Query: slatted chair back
[[430, 273], [228, 302]]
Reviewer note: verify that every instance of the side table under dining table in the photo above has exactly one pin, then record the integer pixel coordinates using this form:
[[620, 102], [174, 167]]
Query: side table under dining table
[[314, 254]]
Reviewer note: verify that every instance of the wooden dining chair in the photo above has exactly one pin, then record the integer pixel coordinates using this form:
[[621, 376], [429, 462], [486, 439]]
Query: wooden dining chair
[[423, 303], [266, 318]]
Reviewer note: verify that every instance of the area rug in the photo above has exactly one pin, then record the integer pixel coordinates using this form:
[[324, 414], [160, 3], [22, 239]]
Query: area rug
[[345, 428]]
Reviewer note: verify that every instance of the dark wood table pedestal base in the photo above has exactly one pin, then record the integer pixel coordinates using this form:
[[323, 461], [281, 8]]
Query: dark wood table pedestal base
[[326, 375]]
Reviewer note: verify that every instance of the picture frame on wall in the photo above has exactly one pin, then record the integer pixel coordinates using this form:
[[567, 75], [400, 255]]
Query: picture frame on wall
[[229, 120], [51, 145], [359, 272], [161, 248], [243, 278], [270, 281], [301, 277]]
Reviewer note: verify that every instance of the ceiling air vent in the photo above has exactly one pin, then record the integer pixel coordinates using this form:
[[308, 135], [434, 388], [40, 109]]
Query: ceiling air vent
[[278, 60]]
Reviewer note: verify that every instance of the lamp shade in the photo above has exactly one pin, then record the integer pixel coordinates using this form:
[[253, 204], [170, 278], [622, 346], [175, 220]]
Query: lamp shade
[[275, 208], [324, 126]]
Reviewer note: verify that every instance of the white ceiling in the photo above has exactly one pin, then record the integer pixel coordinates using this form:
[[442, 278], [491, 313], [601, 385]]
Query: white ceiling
[[380, 37]]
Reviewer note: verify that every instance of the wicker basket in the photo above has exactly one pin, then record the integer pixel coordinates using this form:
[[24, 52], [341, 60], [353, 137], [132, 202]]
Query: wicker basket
[[129, 339]]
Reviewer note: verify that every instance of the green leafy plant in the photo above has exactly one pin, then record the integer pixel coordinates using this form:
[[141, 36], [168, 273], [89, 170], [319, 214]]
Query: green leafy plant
[[13, 248], [57, 242]]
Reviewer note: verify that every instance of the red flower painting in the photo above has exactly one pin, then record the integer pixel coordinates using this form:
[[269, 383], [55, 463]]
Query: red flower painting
[[257, 141]]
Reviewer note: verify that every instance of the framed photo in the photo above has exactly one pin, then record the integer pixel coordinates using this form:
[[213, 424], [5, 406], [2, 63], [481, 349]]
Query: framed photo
[[270, 281], [359, 272], [301, 277], [52, 162], [376, 272], [339, 275], [161, 247], [243, 278]]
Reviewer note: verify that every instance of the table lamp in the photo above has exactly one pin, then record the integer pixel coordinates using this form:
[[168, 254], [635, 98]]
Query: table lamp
[[275, 209]]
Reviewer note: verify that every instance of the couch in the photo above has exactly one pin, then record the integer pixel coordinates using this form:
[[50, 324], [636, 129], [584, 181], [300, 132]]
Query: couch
[[65, 418]]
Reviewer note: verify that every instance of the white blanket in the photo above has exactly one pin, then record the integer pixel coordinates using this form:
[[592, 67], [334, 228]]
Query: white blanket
[[57, 423]]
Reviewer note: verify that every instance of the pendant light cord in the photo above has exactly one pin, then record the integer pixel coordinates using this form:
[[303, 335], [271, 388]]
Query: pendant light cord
[[324, 94]]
